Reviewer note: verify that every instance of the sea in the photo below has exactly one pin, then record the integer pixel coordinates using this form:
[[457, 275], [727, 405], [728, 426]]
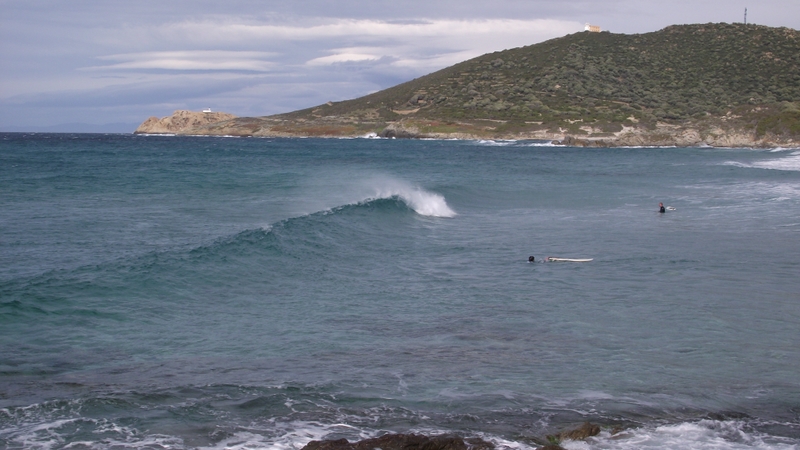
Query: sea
[[173, 292]]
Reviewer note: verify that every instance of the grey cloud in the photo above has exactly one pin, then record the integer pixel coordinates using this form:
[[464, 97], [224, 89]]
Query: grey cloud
[[171, 89]]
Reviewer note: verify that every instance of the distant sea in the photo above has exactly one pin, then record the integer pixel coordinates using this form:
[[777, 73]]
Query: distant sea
[[116, 128], [162, 292]]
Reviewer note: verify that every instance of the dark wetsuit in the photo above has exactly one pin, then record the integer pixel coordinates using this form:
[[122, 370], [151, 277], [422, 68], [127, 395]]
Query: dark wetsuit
[[662, 209]]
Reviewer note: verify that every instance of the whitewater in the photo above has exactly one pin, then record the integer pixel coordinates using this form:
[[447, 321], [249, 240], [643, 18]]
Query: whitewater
[[217, 293]]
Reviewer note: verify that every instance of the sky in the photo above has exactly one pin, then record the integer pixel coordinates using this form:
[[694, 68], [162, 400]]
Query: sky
[[107, 65]]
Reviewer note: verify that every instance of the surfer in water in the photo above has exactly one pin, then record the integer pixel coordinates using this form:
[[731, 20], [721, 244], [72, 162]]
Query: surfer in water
[[661, 208], [531, 259]]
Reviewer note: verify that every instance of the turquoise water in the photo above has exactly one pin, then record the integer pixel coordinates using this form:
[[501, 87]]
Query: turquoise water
[[188, 292]]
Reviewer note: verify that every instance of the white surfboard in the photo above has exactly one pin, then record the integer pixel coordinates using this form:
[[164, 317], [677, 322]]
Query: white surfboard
[[554, 259]]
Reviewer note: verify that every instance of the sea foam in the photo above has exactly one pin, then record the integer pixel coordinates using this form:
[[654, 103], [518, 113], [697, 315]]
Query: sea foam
[[423, 202], [787, 162], [723, 435]]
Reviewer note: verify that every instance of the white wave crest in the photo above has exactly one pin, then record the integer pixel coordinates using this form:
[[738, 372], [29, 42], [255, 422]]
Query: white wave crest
[[423, 202], [332, 189], [276, 435], [723, 435], [495, 143], [790, 162]]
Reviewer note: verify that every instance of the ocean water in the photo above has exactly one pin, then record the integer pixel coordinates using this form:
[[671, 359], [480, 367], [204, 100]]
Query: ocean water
[[225, 293]]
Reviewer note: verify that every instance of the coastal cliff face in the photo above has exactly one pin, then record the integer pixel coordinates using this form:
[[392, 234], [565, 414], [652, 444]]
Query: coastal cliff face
[[181, 122], [714, 131]]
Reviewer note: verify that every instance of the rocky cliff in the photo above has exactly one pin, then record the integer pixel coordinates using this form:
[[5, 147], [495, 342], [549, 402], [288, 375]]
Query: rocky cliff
[[181, 122]]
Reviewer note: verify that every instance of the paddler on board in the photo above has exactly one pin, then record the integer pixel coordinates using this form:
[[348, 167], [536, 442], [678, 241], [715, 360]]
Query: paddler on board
[[555, 259]]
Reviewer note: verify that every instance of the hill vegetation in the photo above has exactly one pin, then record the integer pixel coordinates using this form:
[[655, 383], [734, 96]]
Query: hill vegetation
[[703, 83]]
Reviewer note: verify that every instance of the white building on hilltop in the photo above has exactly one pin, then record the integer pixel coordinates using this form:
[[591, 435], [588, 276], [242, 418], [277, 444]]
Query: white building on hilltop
[[592, 28]]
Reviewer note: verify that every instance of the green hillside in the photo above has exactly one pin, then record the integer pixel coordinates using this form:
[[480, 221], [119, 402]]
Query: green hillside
[[734, 72]]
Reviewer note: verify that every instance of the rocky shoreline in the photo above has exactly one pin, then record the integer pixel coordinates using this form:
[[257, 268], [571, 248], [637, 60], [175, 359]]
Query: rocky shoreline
[[451, 442], [709, 133]]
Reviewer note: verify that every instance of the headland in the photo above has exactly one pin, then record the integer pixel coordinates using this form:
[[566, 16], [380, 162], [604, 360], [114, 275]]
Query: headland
[[722, 85]]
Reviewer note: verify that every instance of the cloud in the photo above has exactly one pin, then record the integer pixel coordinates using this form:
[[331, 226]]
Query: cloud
[[153, 89], [346, 55], [246, 66], [423, 45], [217, 60], [231, 31]]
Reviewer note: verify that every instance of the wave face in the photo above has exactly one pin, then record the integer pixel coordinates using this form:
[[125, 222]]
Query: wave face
[[177, 292]]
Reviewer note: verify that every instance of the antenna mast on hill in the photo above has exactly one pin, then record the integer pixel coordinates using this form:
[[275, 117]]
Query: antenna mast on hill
[[745, 16]]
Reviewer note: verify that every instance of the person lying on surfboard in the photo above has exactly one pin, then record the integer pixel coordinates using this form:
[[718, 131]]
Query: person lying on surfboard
[[555, 259]]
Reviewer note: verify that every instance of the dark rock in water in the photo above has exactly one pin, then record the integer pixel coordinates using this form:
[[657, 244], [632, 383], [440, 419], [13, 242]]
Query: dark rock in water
[[398, 133], [571, 141], [338, 444], [403, 442], [586, 430], [401, 131], [552, 447]]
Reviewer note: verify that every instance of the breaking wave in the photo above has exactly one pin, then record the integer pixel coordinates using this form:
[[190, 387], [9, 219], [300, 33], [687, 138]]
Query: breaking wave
[[787, 162], [422, 202]]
